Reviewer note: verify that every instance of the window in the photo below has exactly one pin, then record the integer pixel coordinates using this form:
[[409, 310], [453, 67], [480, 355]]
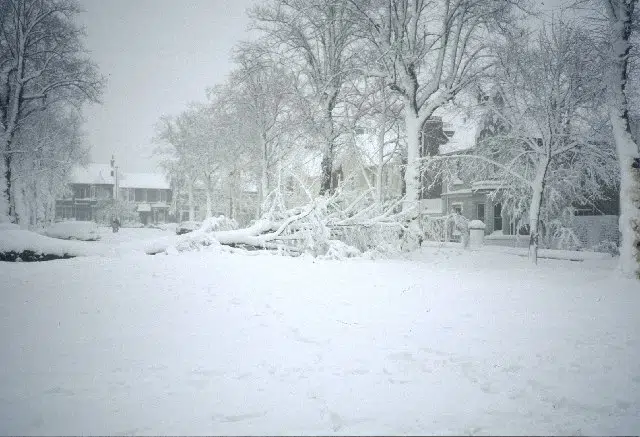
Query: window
[[81, 192], [163, 195], [152, 195], [141, 195], [480, 212], [93, 191], [497, 217]]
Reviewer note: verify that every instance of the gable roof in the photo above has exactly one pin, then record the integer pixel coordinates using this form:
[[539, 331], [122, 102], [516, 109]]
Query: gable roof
[[143, 180], [92, 174], [95, 174]]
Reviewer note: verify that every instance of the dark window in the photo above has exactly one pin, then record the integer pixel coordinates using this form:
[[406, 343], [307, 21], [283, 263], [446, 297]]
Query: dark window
[[152, 195], [81, 192], [480, 212], [141, 195], [497, 217]]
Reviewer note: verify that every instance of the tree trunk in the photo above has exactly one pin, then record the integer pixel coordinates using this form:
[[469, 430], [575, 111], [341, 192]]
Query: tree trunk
[[208, 212], [326, 185], [379, 186], [7, 190], [326, 165], [412, 169], [629, 221], [192, 211], [620, 19], [231, 209], [534, 211]]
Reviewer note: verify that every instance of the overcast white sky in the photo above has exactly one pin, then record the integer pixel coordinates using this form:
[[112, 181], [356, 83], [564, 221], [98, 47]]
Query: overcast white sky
[[158, 55]]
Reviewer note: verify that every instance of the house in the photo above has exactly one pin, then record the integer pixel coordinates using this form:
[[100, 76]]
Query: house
[[147, 194], [151, 194], [479, 197]]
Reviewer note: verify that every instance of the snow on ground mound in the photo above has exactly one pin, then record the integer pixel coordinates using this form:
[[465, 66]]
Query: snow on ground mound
[[73, 230], [5, 226], [14, 242]]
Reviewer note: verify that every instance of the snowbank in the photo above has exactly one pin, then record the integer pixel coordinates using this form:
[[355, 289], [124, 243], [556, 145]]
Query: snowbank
[[17, 242], [73, 230]]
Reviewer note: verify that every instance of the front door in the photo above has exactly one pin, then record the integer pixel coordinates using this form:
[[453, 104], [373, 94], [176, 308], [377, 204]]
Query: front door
[[497, 217]]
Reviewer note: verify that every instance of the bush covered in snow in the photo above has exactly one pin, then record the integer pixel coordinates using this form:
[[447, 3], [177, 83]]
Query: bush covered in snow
[[338, 250], [73, 230]]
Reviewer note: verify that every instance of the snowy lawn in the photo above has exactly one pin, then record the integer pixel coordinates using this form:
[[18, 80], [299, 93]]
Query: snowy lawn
[[451, 342]]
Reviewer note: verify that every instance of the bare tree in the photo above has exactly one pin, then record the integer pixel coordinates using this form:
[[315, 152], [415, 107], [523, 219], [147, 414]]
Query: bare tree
[[315, 37], [264, 95], [428, 51], [42, 61]]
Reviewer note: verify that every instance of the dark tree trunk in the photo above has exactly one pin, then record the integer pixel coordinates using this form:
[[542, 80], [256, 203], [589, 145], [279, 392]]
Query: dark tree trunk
[[7, 175]]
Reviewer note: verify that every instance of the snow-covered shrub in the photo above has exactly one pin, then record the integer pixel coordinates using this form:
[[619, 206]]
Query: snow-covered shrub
[[559, 233], [73, 230], [606, 247], [564, 238], [220, 223], [338, 250]]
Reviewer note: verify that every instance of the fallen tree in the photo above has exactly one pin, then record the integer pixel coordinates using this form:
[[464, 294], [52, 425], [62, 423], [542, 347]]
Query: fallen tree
[[344, 224]]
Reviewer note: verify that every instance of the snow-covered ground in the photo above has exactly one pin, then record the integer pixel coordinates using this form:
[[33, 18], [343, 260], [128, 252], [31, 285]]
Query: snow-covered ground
[[445, 342]]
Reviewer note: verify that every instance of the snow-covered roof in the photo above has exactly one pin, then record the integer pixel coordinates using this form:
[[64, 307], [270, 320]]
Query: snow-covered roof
[[92, 174], [464, 127], [486, 185], [143, 180], [101, 174]]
